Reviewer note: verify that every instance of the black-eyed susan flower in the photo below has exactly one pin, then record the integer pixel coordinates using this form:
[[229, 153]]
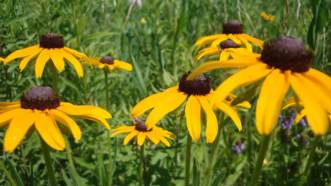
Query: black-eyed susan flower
[[40, 109], [140, 131], [51, 47], [109, 63], [195, 94], [267, 17], [285, 64], [232, 30]]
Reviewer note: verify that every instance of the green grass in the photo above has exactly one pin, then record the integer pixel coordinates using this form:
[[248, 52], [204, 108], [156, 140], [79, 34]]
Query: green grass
[[161, 50]]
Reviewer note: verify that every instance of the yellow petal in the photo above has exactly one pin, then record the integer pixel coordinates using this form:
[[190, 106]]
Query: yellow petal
[[153, 138], [123, 65], [193, 117], [81, 110], [68, 122], [141, 138], [21, 53], [207, 52], [17, 129], [232, 113], [300, 116], [290, 103], [251, 39], [316, 115], [244, 77], [75, 52], [207, 39], [269, 103], [224, 56], [212, 65], [122, 129], [218, 41], [25, 61], [96, 119], [7, 116], [212, 125], [165, 141], [74, 62], [57, 58], [131, 135], [41, 62], [49, 131], [168, 104]]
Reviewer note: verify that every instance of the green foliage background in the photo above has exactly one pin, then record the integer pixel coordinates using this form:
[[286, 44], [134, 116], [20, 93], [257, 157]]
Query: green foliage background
[[157, 39]]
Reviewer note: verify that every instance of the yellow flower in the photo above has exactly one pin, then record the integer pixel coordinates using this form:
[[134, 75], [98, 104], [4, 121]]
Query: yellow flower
[[51, 47], [284, 63], [196, 94], [223, 54], [40, 109], [108, 62], [232, 30], [267, 17], [139, 130], [1, 59]]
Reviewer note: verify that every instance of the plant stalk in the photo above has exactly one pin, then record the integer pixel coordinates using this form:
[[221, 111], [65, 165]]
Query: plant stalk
[[48, 162], [188, 160], [262, 153]]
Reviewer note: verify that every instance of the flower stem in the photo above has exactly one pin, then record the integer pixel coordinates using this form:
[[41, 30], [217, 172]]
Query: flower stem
[[106, 88], [188, 160], [262, 153], [110, 165], [142, 166], [48, 161], [213, 153]]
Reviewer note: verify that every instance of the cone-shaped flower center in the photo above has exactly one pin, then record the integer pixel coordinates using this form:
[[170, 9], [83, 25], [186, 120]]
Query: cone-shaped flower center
[[51, 40], [287, 53], [228, 44], [201, 85], [233, 27], [40, 98], [108, 60], [140, 125]]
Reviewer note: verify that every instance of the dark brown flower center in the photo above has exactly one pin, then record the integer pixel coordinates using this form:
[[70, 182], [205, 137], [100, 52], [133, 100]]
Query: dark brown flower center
[[233, 27], [108, 60], [287, 53], [229, 44], [201, 85], [51, 40], [40, 98], [140, 125]]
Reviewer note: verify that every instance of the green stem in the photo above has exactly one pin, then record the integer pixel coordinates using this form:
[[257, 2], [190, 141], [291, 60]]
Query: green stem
[[262, 153], [142, 166], [306, 166], [48, 161], [106, 88], [6, 172], [110, 165], [188, 160], [213, 153]]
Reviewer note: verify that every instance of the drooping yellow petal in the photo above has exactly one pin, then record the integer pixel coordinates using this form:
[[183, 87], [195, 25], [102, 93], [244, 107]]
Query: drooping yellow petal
[[21, 53], [165, 141], [68, 122], [212, 65], [57, 58], [212, 125], [74, 62], [251, 39], [316, 115], [218, 41], [75, 52], [122, 129], [168, 104], [153, 137], [150, 102], [7, 106], [81, 110], [242, 78], [17, 129], [122, 65], [97, 119], [131, 135], [234, 38], [41, 62], [232, 113], [193, 117], [300, 116], [207, 39], [224, 56], [49, 131], [292, 101], [269, 103], [7, 116], [141, 138], [25, 61], [207, 52]]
